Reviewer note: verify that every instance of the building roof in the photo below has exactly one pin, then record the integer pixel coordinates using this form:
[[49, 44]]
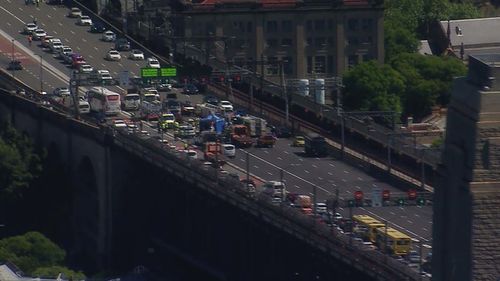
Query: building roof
[[473, 32], [7, 273]]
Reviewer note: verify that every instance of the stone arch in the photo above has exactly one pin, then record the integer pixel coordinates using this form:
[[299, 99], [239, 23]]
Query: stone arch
[[85, 214]]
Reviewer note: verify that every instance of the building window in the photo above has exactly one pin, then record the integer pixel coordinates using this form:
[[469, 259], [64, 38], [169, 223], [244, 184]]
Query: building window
[[352, 24], [249, 26], [320, 64], [366, 24], [329, 64], [367, 57], [320, 42], [319, 25], [309, 64], [272, 26], [352, 60], [286, 42], [309, 25], [288, 65], [272, 43], [286, 26], [309, 41], [272, 67], [329, 40], [330, 25]]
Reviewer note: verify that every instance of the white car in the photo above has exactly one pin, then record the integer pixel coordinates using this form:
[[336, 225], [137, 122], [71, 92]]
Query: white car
[[229, 150], [55, 45], [191, 154], [38, 34], [64, 51], [321, 208], [61, 91], [75, 13], [108, 36], [136, 55], [119, 123], [153, 63], [84, 20], [30, 27], [226, 106], [113, 55], [86, 68]]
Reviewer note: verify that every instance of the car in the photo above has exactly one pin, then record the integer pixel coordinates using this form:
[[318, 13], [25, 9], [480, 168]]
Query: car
[[84, 20], [249, 185], [15, 65], [282, 132], [108, 36], [229, 150], [266, 140], [97, 27], [45, 40], [299, 141], [192, 154], [277, 200], [321, 208], [64, 51], [122, 44], [413, 257], [113, 55], [211, 100], [226, 106], [187, 108], [75, 13], [337, 217], [153, 63], [61, 91], [86, 68], [119, 123], [136, 55], [38, 34], [30, 27], [55, 45], [190, 89]]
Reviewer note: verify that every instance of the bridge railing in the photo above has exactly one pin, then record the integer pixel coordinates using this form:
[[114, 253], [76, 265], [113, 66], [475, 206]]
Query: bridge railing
[[284, 217]]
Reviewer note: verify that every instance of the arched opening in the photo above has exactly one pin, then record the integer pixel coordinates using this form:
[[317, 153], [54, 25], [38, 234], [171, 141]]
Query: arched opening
[[85, 217]]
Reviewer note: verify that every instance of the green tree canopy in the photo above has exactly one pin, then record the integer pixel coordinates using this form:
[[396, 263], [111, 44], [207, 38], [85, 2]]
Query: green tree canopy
[[19, 164], [371, 86], [53, 272], [31, 251]]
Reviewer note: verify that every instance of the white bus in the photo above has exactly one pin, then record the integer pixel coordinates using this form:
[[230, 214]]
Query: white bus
[[104, 101], [131, 102]]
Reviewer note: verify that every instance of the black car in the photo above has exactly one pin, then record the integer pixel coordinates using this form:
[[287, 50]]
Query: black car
[[281, 131], [97, 27], [15, 65], [122, 44], [211, 100], [190, 89]]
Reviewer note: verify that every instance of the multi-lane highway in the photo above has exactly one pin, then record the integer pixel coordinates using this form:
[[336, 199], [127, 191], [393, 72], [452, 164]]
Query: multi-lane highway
[[300, 173]]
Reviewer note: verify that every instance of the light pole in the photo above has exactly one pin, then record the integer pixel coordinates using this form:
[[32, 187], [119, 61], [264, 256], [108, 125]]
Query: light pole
[[12, 58], [41, 73]]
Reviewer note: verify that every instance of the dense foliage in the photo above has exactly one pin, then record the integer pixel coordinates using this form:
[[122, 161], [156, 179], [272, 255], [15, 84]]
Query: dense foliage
[[19, 163], [36, 255]]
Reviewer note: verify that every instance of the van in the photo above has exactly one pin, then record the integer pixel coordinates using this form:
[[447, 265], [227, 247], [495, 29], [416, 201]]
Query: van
[[229, 150], [83, 107], [131, 102]]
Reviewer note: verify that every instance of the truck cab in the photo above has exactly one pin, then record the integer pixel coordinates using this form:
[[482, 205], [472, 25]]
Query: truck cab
[[240, 136]]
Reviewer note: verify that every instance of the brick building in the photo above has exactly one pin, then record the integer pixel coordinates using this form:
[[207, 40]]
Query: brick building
[[316, 38]]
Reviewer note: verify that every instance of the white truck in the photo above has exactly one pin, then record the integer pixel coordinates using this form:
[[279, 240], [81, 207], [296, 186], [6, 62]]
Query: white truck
[[150, 106]]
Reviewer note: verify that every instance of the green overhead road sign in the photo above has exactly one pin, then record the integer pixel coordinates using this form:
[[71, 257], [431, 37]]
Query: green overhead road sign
[[168, 72], [149, 72]]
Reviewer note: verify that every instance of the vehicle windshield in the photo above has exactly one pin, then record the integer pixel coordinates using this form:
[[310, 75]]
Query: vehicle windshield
[[132, 97], [149, 98], [169, 117]]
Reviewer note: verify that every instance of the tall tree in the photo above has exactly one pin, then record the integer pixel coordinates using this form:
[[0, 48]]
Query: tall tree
[[371, 86]]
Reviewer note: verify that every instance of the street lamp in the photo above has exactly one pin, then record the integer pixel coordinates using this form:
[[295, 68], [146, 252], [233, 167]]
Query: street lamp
[[41, 73]]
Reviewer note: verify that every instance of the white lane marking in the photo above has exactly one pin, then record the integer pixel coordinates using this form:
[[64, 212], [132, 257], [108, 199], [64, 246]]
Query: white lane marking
[[310, 193], [269, 173], [55, 32], [60, 24], [66, 40], [307, 172], [242, 160], [392, 213], [410, 222], [279, 158], [424, 229], [78, 48], [314, 166], [300, 159], [286, 152], [348, 191], [331, 165], [317, 158], [320, 178], [334, 184], [255, 166], [297, 186], [84, 40], [416, 215], [346, 172], [293, 175], [344, 180], [103, 64], [360, 179], [330, 173], [266, 152], [91, 56], [396, 225], [95, 48], [8, 23], [72, 32], [49, 16]]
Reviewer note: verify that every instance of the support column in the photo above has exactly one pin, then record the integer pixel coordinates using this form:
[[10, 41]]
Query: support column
[[340, 60], [300, 53], [259, 39]]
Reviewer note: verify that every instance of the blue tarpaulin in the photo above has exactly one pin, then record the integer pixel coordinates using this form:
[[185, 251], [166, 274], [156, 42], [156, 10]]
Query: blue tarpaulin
[[218, 123]]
